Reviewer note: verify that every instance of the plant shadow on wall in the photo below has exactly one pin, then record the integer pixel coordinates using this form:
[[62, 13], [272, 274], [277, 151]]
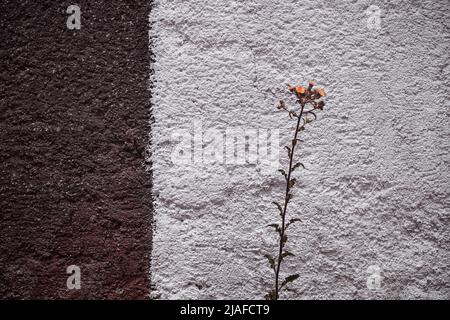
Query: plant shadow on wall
[[309, 100]]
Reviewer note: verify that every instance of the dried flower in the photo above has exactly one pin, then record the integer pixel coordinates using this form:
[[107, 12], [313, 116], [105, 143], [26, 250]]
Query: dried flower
[[321, 92], [300, 90], [304, 97]]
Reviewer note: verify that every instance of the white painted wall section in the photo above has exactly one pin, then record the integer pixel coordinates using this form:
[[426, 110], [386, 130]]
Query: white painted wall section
[[376, 186]]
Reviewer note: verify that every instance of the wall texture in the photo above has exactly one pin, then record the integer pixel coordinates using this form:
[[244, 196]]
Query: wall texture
[[375, 191], [74, 123]]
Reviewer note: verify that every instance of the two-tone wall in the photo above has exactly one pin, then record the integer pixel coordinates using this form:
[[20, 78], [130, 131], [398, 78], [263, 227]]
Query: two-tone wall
[[142, 149]]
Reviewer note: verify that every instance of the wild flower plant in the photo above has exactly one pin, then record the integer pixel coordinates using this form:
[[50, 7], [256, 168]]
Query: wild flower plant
[[310, 101]]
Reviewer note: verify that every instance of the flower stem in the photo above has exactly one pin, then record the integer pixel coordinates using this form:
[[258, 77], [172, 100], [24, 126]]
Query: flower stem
[[286, 200]]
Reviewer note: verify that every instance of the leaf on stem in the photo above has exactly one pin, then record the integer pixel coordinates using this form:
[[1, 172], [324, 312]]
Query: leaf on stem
[[278, 206], [292, 182], [294, 141], [289, 151], [288, 279], [287, 254], [271, 260], [289, 197], [292, 221], [283, 172], [298, 164]]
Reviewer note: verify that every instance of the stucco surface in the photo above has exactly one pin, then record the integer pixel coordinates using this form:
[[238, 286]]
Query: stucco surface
[[375, 191], [74, 123]]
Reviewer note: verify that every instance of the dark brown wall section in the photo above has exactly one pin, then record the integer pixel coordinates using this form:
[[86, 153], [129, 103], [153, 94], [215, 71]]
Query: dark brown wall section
[[75, 117]]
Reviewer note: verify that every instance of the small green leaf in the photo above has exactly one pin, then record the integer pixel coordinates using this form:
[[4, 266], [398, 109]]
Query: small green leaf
[[278, 206], [292, 182], [288, 279], [289, 196], [287, 254], [289, 151], [271, 260], [298, 164], [292, 221], [282, 172]]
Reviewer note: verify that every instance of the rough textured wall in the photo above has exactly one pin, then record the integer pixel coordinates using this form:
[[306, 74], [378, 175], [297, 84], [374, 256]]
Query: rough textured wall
[[376, 186], [74, 123]]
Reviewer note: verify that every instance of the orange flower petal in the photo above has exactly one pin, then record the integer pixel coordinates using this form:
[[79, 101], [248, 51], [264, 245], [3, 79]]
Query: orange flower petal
[[300, 89]]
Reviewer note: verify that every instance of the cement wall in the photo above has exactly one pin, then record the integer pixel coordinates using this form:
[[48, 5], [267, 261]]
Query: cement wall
[[74, 123], [375, 191]]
